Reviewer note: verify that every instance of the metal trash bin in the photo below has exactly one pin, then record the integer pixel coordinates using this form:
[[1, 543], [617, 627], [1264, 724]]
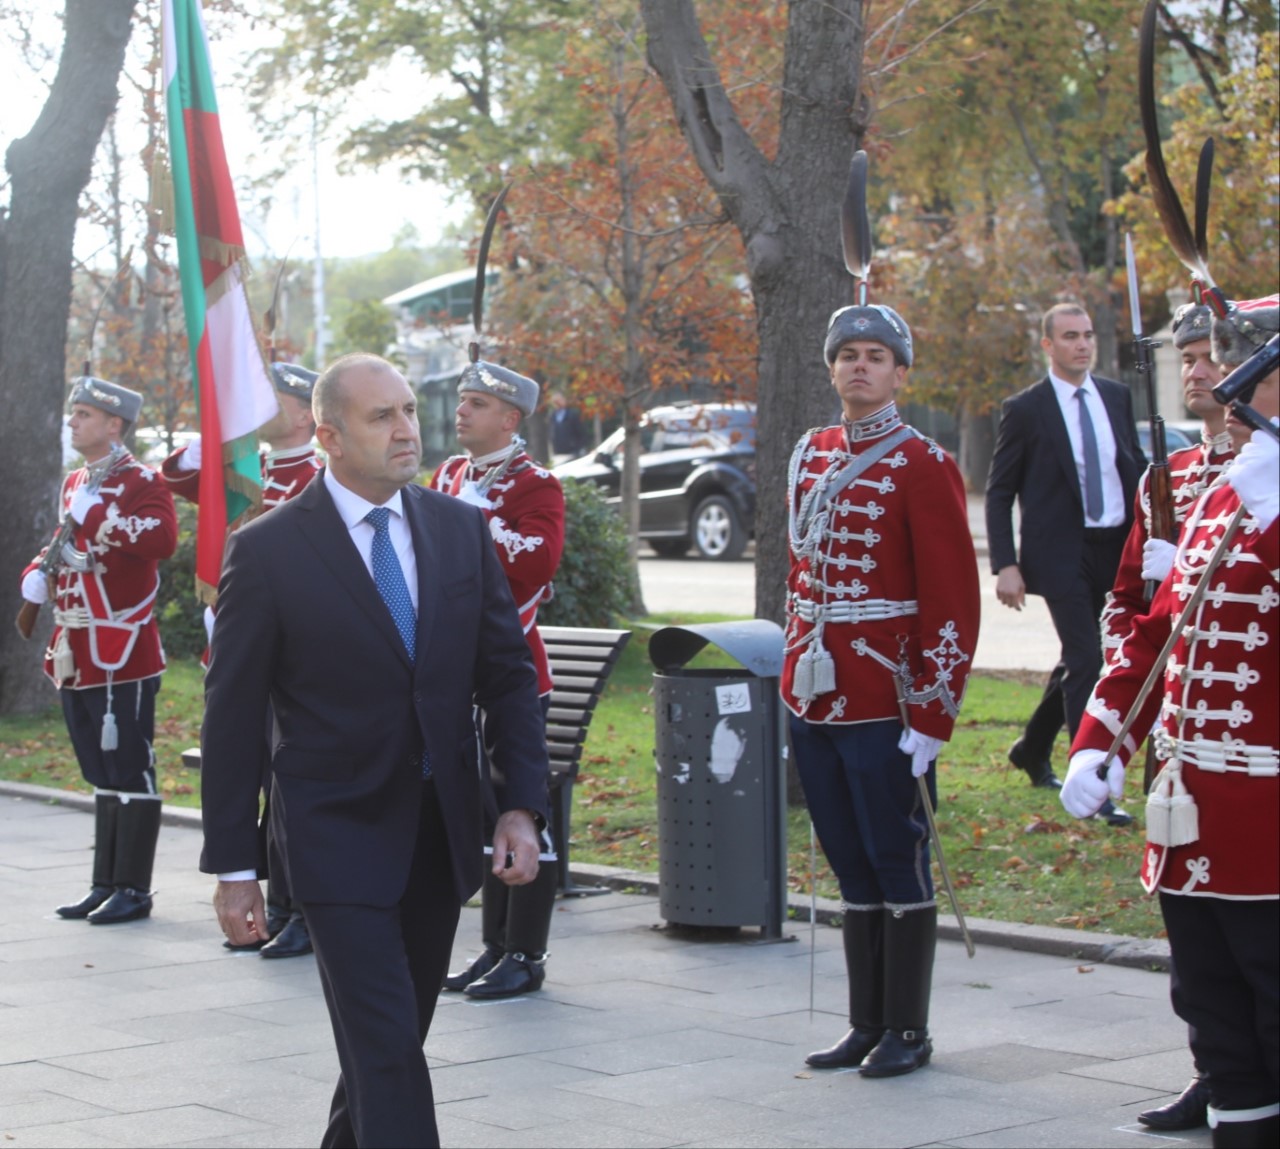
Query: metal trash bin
[[718, 749]]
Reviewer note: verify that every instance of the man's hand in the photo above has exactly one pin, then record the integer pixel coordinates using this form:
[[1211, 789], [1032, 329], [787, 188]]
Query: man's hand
[[191, 457], [515, 839], [1010, 589], [35, 587], [1083, 793], [922, 749], [241, 912], [1255, 475], [1157, 559]]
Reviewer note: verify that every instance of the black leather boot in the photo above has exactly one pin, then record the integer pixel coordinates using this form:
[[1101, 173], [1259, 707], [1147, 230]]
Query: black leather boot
[[1189, 1110], [137, 831], [864, 962], [292, 941], [106, 805], [1260, 1133], [523, 965], [910, 938], [493, 931], [515, 974]]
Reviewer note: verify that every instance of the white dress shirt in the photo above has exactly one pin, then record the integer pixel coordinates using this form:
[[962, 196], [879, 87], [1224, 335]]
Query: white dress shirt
[[1113, 508], [352, 508]]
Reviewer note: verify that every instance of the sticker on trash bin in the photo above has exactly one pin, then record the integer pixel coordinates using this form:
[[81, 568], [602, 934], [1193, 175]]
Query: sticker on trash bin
[[733, 699], [727, 748]]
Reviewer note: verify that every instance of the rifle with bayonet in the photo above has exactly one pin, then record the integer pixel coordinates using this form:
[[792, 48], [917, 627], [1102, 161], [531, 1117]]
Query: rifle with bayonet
[[1159, 484]]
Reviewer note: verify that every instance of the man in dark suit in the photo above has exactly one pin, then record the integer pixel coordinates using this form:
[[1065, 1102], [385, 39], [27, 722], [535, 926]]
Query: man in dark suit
[[372, 615], [1068, 451], [568, 434]]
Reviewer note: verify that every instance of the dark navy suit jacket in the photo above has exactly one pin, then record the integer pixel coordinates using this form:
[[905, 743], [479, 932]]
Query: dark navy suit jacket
[[301, 626]]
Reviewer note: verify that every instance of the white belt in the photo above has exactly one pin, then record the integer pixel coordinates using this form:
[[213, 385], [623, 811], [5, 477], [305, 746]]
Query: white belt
[[872, 610], [1220, 757], [76, 618]]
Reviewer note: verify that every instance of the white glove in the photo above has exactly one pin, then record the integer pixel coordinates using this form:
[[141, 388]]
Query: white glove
[[191, 458], [208, 624], [35, 587], [921, 747], [1255, 475], [82, 502], [1157, 559], [1083, 792]]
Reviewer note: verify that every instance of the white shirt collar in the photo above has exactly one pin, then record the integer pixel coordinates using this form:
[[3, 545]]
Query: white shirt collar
[[1065, 388], [352, 507]]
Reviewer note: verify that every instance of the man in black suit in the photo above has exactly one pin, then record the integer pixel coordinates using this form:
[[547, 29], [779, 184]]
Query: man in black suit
[[371, 614], [568, 434], [1068, 451]]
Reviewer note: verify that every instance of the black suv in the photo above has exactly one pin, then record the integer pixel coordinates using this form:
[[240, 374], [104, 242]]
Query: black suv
[[697, 477]]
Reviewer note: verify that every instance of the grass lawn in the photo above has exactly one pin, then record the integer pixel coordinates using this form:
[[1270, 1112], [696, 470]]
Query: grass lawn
[[1014, 853]]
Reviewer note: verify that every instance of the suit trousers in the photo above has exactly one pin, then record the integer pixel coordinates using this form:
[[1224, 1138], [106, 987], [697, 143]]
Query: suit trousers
[[1075, 617], [1225, 984], [381, 969]]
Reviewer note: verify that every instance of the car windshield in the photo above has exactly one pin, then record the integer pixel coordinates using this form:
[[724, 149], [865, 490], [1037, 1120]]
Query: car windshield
[[701, 429]]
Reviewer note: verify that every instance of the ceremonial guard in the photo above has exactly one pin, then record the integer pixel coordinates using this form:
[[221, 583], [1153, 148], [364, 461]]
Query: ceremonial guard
[[1191, 471], [882, 620], [525, 508], [101, 574], [288, 465], [1148, 560], [290, 461], [1213, 815]]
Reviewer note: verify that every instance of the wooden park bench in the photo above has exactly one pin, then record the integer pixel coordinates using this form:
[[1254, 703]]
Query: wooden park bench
[[581, 661]]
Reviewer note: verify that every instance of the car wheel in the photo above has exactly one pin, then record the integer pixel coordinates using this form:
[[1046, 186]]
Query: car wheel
[[669, 548], [717, 533]]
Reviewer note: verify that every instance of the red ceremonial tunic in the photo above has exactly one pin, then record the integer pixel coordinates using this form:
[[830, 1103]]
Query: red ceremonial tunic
[[103, 615], [526, 520], [883, 573], [1191, 471], [1219, 711], [284, 475]]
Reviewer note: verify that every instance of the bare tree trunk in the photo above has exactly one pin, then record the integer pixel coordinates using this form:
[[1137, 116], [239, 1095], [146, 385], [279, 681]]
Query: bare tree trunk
[[787, 212], [48, 169]]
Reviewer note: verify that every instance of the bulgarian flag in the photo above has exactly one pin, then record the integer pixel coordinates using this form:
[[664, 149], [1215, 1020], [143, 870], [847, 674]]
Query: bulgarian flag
[[233, 392]]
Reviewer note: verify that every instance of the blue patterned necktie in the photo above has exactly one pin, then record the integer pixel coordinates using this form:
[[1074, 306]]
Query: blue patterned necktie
[[390, 579], [1092, 464]]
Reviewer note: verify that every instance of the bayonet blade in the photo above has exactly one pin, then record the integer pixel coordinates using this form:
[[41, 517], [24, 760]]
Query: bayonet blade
[[1131, 270]]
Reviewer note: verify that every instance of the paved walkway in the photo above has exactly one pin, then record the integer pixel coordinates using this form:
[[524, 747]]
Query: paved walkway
[[151, 1034]]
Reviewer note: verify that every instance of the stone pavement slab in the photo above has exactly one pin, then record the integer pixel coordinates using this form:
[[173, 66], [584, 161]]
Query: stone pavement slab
[[152, 1034]]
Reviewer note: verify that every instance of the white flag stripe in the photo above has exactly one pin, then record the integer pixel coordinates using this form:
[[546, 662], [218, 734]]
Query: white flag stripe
[[246, 398]]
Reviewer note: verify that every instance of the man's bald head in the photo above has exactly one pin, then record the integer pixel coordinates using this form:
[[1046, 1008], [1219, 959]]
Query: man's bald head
[[329, 399]]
